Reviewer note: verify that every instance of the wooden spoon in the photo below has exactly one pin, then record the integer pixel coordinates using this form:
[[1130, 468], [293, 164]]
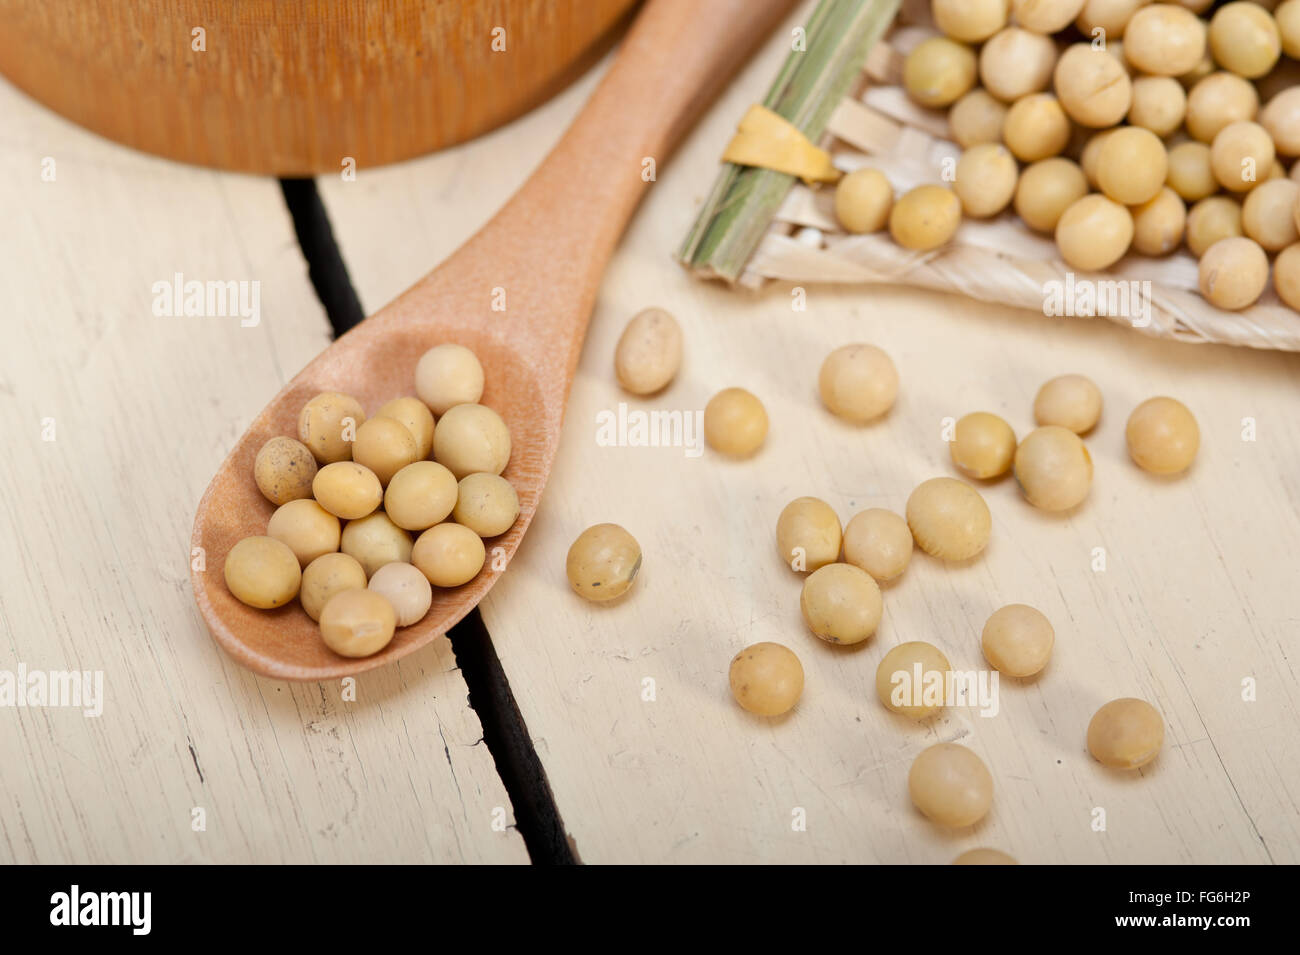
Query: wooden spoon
[[544, 254]]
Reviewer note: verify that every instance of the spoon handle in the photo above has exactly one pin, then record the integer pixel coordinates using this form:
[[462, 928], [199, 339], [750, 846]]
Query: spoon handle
[[548, 246]]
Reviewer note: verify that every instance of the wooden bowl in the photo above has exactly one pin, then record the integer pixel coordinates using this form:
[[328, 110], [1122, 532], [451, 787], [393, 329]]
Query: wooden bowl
[[295, 88]]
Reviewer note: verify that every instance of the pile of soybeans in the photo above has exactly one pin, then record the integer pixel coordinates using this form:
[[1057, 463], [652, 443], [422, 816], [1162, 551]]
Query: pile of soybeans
[[844, 566], [374, 512], [1112, 125]]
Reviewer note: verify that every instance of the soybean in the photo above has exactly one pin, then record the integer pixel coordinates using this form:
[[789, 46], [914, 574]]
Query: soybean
[[841, 604], [1281, 118], [406, 589], [1046, 189], [1071, 401], [879, 542], [950, 785], [1268, 214], [1233, 272], [347, 490], [925, 217], [1093, 86], [603, 562], [308, 529], [938, 71], [766, 679], [1126, 734], [284, 469], [735, 423], [385, 446], [1016, 62], [1164, 40], [1094, 233], [863, 199], [1162, 436], [1212, 219], [649, 352], [1217, 100], [420, 495], [1244, 39], [262, 572], [1053, 468], [911, 679], [808, 534], [976, 118], [416, 417], [1159, 223], [1286, 275], [326, 576], [983, 445], [949, 519], [327, 425], [448, 375], [487, 504], [1241, 155], [375, 541], [1045, 16], [1190, 174], [986, 180], [858, 382], [1036, 127], [357, 623], [469, 438], [1159, 104], [1017, 640], [969, 21], [449, 554], [1132, 164]]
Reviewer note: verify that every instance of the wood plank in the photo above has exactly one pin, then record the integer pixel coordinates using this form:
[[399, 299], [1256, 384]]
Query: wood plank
[[1196, 595], [97, 528]]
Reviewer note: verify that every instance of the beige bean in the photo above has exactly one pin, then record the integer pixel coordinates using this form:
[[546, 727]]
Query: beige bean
[[487, 504], [326, 576], [262, 572], [327, 425], [416, 417], [357, 623], [374, 541], [449, 554], [448, 375], [766, 679], [649, 352], [406, 589], [420, 495], [347, 490], [735, 423], [603, 562], [471, 438], [308, 529], [841, 603], [284, 469]]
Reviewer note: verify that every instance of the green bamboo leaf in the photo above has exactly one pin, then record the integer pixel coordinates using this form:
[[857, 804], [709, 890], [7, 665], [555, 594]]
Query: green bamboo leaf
[[810, 84]]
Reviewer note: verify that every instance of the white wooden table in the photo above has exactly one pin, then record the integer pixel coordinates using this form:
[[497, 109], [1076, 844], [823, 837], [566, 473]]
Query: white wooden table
[[648, 758]]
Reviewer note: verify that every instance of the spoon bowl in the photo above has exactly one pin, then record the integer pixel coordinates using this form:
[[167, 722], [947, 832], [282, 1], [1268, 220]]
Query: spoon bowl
[[374, 369]]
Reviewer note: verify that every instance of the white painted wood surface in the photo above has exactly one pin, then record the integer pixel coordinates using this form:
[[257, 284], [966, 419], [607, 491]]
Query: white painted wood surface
[[1198, 593], [96, 528]]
